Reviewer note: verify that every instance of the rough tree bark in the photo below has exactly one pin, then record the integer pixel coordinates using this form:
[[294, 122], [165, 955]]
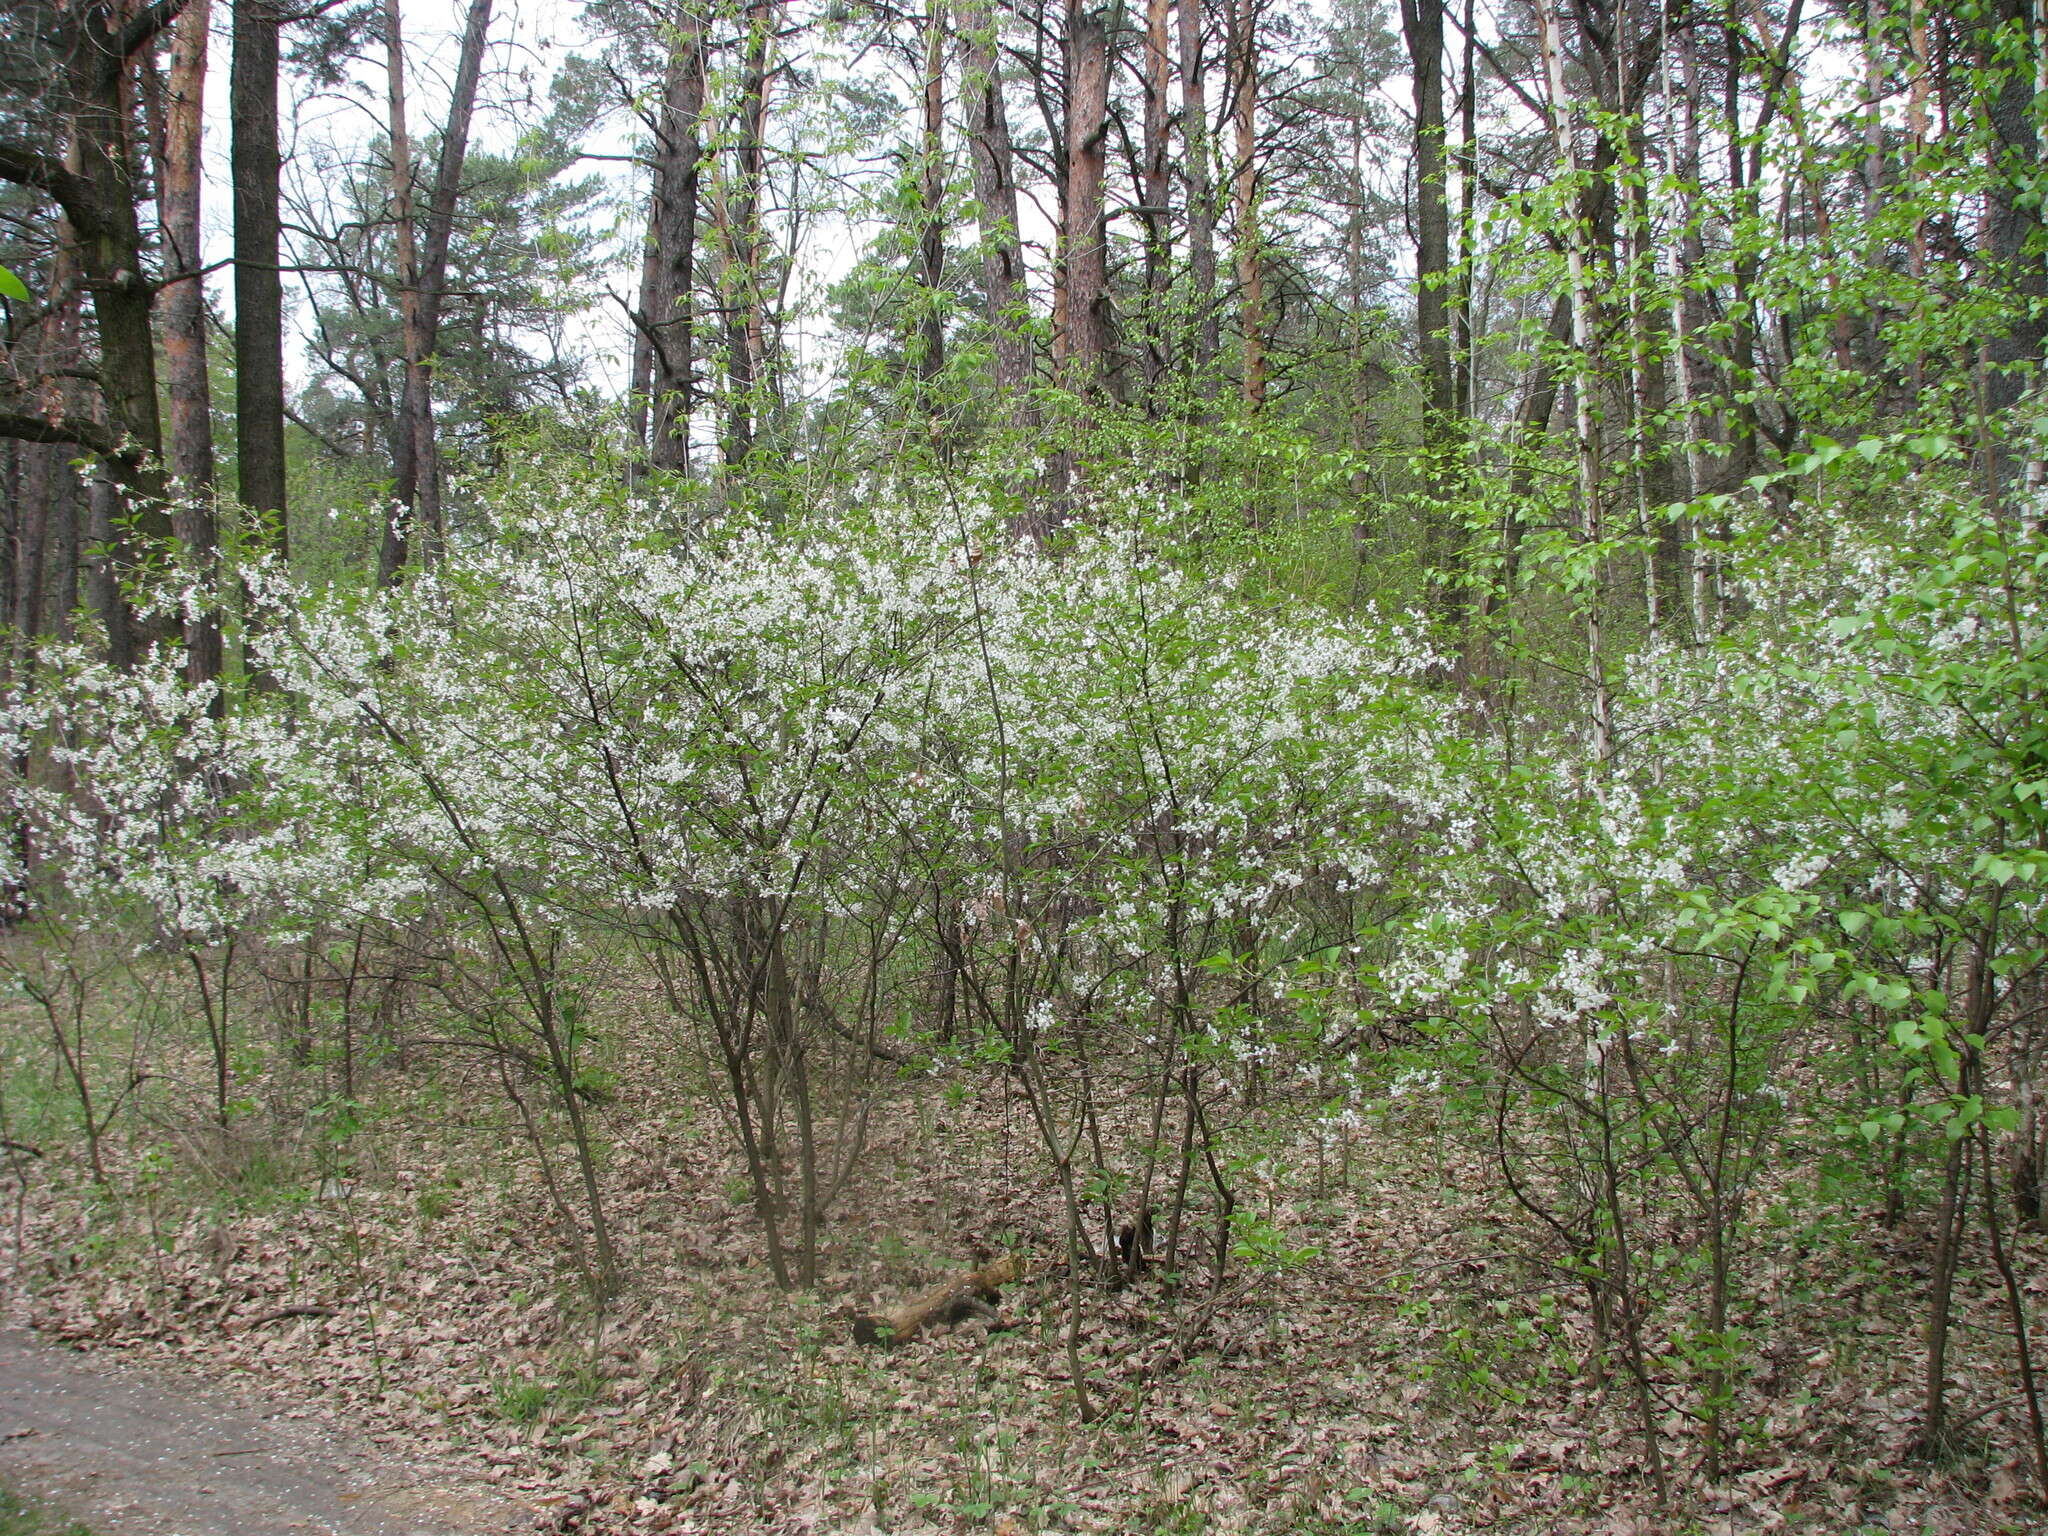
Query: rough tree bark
[[259, 284], [931, 200], [995, 200], [640, 378], [45, 581], [1244, 181], [391, 556], [741, 225], [95, 184], [1422, 24], [184, 292], [184, 322], [669, 319], [1154, 192], [1084, 248], [35, 482], [1206, 338]]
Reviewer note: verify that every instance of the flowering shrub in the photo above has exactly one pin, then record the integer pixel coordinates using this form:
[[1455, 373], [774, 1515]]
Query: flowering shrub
[[892, 793]]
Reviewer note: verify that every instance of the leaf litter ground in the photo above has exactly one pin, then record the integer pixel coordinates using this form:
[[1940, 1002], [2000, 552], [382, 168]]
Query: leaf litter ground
[[1417, 1373]]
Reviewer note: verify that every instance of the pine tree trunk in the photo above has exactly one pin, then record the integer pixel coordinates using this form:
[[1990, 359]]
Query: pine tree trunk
[[45, 572], [259, 286], [995, 200], [1422, 23], [670, 321], [1251, 267], [418, 495], [130, 509], [640, 382], [184, 322], [1084, 248], [1462, 355], [1154, 193], [404, 458], [931, 197], [743, 240], [1201, 195], [37, 467]]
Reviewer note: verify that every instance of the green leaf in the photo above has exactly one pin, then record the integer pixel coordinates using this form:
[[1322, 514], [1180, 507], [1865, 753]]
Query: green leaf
[[12, 287]]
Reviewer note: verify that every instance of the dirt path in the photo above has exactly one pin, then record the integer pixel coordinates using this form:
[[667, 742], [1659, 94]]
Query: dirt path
[[141, 1452]]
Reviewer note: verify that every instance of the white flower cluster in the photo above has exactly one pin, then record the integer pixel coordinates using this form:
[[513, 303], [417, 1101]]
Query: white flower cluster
[[1145, 795], [613, 715]]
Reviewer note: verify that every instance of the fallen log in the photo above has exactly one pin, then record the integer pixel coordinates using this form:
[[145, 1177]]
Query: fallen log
[[954, 1300], [298, 1309]]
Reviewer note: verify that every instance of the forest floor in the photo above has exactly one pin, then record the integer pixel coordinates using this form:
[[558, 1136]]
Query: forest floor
[[1407, 1367]]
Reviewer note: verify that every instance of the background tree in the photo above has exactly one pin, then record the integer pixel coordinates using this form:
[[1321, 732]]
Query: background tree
[[256, 164]]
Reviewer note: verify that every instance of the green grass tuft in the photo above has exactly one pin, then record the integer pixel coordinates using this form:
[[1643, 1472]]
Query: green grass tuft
[[25, 1517]]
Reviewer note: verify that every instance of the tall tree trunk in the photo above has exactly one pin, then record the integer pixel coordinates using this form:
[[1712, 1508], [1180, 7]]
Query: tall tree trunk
[[742, 286], [417, 495], [14, 517], [259, 284], [404, 457], [1920, 67], [61, 531], [670, 320], [1201, 195], [38, 465], [1084, 246], [1155, 194], [931, 200], [64, 521], [640, 379], [440, 234], [100, 556], [995, 200], [1251, 278], [95, 185], [1682, 151], [1463, 358], [1422, 23], [102, 213], [184, 324], [184, 296], [43, 594]]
